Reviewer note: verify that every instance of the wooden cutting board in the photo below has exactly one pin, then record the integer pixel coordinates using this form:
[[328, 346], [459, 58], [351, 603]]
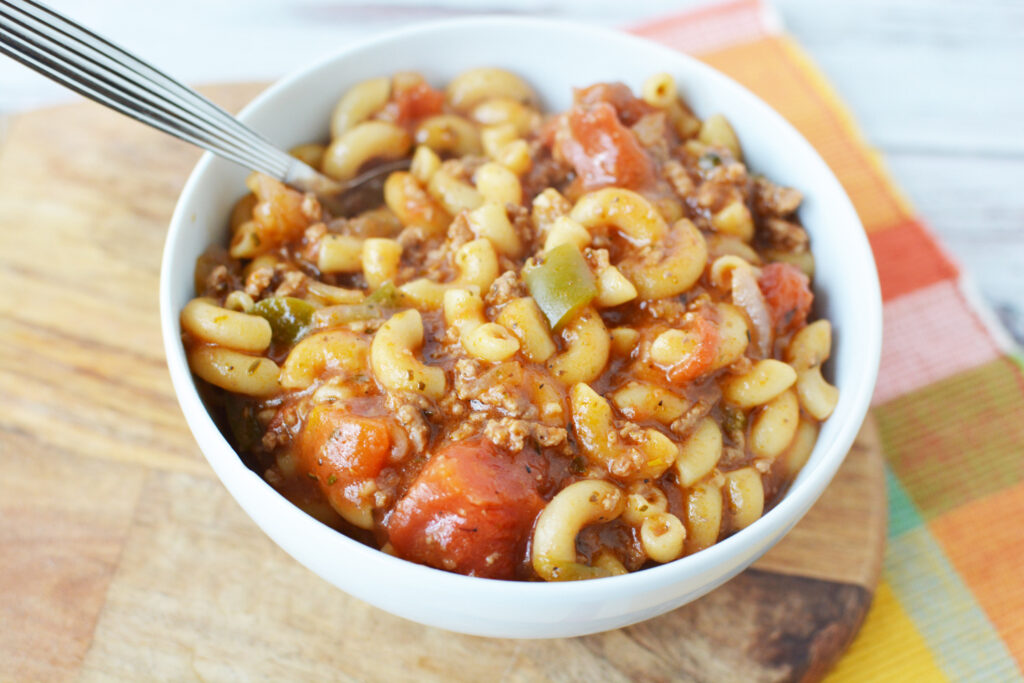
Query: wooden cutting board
[[122, 556]]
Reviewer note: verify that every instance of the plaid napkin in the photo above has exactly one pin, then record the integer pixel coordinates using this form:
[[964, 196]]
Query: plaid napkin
[[949, 400]]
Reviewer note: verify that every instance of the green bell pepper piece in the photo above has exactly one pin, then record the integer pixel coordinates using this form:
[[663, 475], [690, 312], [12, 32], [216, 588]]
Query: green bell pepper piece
[[289, 317], [380, 304], [561, 284], [386, 295], [241, 414]]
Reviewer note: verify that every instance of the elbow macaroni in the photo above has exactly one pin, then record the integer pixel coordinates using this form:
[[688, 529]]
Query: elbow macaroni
[[659, 91], [449, 134], [478, 85], [674, 267], [704, 510], [491, 222], [368, 140], [464, 310], [554, 540], [716, 131], [380, 260], [236, 372], [413, 205], [745, 494], [498, 185], [358, 104], [588, 347], [506, 110], [646, 401], [699, 453], [764, 381], [393, 359], [208, 322], [662, 536], [478, 268], [340, 254], [523, 318], [807, 351], [332, 351], [625, 210], [453, 194], [606, 448]]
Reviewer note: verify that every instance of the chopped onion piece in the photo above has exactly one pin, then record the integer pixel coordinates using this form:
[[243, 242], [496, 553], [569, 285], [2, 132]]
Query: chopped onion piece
[[747, 295]]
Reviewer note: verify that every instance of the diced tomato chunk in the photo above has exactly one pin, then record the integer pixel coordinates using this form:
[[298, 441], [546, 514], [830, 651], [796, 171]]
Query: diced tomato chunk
[[788, 294], [470, 510], [278, 213], [340, 449], [417, 102], [704, 340], [603, 151], [629, 108]]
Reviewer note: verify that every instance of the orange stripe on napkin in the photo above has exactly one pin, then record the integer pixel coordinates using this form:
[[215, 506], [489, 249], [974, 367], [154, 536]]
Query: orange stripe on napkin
[[984, 542], [909, 259]]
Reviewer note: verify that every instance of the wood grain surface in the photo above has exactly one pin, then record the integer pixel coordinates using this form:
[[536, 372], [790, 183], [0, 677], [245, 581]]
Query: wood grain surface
[[123, 558]]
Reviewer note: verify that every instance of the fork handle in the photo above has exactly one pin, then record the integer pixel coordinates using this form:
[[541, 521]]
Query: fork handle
[[91, 65]]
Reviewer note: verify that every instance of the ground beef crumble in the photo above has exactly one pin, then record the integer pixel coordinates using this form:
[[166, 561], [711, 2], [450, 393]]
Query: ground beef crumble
[[775, 200], [505, 288], [409, 409], [684, 424], [785, 235], [512, 434]]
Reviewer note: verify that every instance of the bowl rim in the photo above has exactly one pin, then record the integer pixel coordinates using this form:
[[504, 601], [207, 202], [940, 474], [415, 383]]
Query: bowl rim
[[777, 521]]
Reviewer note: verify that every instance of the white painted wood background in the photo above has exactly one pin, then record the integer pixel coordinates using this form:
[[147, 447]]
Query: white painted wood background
[[937, 86]]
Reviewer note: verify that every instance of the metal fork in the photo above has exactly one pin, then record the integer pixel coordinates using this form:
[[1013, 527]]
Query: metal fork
[[91, 65]]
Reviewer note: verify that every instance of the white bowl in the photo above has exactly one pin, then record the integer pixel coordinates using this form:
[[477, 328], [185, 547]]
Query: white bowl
[[554, 57]]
